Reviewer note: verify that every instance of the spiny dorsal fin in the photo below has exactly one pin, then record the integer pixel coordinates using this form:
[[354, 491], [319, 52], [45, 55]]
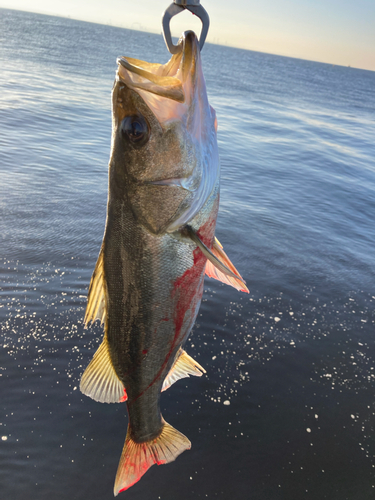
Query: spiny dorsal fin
[[137, 458], [95, 308], [99, 381], [213, 272], [218, 264], [183, 367]]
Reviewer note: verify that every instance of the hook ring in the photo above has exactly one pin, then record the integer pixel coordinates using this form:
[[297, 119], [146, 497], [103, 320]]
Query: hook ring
[[174, 9]]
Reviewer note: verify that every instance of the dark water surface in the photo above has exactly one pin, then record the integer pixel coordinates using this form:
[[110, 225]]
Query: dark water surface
[[286, 410]]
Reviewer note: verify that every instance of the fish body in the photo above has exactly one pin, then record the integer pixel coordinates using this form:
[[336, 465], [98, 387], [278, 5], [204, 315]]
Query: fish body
[[160, 229]]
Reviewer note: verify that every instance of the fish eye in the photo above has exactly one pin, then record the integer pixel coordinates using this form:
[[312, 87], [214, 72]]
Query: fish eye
[[135, 129]]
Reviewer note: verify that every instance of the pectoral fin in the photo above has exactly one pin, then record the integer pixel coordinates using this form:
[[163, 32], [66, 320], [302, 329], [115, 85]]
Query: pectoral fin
[[213, 272], [95, 308], [218, 264], [183, 367]]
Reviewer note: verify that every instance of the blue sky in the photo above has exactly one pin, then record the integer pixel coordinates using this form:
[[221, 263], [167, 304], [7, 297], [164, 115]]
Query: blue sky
[[333, 31]]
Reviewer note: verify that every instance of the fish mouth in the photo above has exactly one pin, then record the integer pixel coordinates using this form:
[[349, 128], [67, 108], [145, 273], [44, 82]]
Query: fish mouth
[[164, 80]]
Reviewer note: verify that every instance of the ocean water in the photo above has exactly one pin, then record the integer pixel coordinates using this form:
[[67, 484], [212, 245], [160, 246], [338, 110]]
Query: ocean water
[[286, 409]]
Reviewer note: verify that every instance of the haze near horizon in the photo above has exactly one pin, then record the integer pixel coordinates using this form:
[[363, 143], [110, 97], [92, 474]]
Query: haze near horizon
[[331, 31]]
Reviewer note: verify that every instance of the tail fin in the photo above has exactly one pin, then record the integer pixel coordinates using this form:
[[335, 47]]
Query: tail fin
[[137, 458]]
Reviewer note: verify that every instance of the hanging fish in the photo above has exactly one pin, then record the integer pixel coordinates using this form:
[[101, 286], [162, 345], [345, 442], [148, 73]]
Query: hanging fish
[[158, 244]]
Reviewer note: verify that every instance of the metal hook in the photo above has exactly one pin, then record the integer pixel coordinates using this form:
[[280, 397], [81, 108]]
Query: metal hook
[[175, 8]]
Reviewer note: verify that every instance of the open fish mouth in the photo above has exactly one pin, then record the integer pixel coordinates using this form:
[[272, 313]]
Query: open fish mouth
[[136, 74], [165, 80], [176, 81]]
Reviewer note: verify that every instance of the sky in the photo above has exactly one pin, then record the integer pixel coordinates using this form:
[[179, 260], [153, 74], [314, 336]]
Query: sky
[[332, 31]]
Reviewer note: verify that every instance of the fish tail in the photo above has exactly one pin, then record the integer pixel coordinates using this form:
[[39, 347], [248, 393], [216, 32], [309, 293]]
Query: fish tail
[[137, 458]]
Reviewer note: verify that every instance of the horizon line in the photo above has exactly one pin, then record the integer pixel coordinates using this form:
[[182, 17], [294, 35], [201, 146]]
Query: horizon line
[[154, 32]]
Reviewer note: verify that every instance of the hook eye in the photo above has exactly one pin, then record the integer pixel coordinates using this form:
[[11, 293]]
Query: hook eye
[[174, 9]]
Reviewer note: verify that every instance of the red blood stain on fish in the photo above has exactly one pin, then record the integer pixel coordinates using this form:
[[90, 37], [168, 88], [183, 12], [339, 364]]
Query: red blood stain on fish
[[187, 289], [187, 293], [124, 397], [139, 463]]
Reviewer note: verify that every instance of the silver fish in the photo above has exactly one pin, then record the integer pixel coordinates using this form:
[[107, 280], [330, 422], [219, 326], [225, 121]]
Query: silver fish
[[158, 244]]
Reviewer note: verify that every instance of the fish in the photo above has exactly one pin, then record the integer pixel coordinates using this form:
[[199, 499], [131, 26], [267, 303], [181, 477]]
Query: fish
[[158, 245]]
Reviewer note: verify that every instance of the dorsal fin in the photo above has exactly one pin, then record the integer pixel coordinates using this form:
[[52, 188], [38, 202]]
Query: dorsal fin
[[95, 308], [183, 367], [100, 381]]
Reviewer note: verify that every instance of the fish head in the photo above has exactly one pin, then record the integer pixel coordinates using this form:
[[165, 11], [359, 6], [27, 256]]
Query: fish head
[[164, 159]]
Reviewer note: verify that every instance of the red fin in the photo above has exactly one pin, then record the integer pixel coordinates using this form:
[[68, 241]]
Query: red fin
[[213, 272], [137, 458]]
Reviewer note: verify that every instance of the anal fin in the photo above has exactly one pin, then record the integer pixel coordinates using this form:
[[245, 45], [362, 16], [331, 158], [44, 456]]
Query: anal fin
[[100, 381], [137, 458], [183, 367]]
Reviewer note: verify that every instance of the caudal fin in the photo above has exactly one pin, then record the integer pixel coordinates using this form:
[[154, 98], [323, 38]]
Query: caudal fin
[[137, 458]]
